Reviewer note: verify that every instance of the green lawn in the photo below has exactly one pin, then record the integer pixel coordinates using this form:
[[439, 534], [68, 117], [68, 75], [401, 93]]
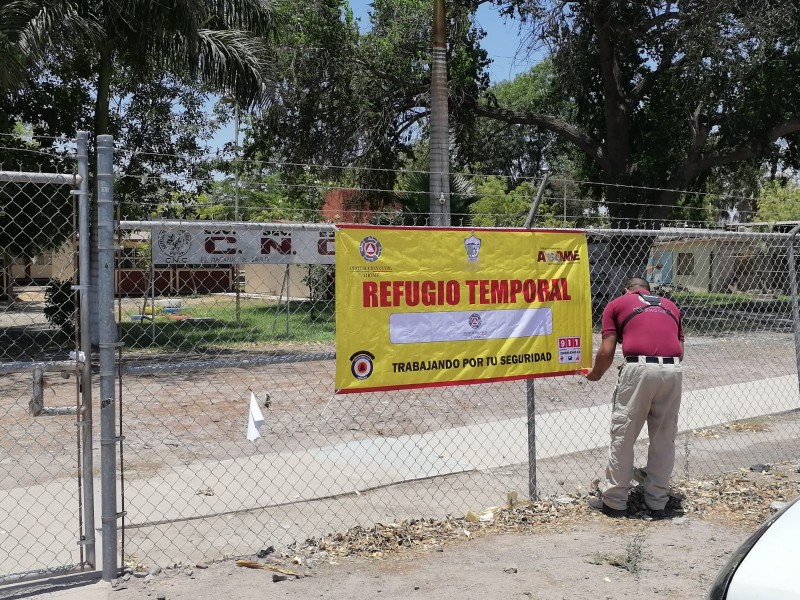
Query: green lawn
[[213, 324]]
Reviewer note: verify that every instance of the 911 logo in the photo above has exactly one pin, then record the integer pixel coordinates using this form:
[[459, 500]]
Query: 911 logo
[[361, 364]]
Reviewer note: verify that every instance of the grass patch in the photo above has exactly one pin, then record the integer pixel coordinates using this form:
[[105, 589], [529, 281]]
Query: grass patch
[[717, 313], [214, 324]]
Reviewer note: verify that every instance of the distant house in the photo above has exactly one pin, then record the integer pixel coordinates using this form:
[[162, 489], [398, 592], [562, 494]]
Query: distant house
[[133, 272], [39, 270], [714, 263], [345, 206]]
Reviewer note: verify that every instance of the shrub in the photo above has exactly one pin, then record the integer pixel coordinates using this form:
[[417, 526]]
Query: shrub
[[59, 306]]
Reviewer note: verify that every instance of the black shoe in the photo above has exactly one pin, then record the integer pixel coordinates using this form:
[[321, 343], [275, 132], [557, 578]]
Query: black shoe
[[657, 513], [614, 513]]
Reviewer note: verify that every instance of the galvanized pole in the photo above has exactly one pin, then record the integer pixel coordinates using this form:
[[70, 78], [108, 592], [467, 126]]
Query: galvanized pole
[[108, 339], [530, 406], [85, 421], [530, 391], [237, 166], [793, 290], [536, 201]]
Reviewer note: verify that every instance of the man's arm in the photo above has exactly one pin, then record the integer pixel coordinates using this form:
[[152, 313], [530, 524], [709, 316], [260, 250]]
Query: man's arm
[[604, 357]]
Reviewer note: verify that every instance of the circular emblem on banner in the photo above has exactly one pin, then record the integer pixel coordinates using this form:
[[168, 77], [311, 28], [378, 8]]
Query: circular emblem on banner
[[175, 243], [370, 248], [361, 364], [475, 321]]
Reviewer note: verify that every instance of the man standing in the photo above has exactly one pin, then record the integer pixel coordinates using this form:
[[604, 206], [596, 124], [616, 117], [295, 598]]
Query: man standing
[[648, 391]]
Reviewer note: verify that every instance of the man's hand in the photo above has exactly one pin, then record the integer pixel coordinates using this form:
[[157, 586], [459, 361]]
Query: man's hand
[[603, 358]]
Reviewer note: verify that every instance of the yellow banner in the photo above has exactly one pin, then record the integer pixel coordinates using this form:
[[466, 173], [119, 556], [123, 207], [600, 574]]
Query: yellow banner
[[421, 306]]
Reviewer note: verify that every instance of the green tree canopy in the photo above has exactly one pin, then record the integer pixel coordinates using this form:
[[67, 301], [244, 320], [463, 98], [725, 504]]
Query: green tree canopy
[[513, 150], [779, 202], [360, 101], [663, 93], [500, 205]]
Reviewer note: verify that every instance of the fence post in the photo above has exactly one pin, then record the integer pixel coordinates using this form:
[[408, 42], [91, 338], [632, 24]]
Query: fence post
[[108, 338], [793, 289], [85, 413], [530, 391], [530, 404]]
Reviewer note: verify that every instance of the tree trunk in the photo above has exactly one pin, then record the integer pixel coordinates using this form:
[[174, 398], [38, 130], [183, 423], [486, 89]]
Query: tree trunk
[[629, 253], [440, 138]]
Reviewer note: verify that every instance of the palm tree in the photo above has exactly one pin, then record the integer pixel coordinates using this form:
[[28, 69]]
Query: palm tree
[[414, 197], [219, 43], [439, 199], [30, 30]]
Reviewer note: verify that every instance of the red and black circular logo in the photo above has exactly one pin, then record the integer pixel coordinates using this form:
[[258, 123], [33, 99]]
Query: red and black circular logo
[[361, 364]]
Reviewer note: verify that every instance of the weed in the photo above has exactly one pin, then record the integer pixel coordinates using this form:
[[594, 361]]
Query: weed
[[631, 560]]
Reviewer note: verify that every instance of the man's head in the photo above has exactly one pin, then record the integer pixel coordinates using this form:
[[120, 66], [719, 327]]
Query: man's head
[[634, 284]]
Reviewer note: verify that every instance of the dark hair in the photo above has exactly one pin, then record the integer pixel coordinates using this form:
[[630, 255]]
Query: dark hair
[[634, 283]]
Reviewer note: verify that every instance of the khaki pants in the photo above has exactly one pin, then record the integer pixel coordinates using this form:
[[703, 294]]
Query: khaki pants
[[646, 393]]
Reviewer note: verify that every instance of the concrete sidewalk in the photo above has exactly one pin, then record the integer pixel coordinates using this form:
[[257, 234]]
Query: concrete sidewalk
[[59, 589], [276, 479], [94, 591]]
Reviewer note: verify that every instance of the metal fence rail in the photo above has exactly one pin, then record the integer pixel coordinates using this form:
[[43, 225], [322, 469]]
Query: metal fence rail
[[47, 527]]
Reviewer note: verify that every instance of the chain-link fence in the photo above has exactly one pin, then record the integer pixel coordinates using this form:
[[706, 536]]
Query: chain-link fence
[[196, 352], [43, 517], [200, 330]]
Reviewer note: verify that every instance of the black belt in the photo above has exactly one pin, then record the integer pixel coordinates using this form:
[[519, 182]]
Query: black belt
[[667, 360]]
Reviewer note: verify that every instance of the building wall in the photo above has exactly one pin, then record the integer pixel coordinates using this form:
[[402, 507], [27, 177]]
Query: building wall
[[716, 264], [269, 279]]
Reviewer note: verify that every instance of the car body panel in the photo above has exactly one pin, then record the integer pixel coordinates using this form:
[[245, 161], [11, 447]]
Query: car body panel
[[771, 569]]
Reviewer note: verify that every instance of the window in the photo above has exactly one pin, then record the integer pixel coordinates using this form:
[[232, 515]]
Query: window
[[685, 263]]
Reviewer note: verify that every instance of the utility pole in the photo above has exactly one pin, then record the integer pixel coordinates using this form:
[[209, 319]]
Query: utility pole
[[440, 134]]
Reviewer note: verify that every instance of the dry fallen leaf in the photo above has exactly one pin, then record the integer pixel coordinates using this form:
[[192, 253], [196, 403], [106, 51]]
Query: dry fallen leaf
[[250, 564]]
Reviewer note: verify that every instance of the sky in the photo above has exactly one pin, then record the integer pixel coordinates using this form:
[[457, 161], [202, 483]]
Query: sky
[[502, 43]]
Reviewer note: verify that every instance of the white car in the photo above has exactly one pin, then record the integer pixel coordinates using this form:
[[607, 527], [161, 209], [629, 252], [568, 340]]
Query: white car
[[767, 565]]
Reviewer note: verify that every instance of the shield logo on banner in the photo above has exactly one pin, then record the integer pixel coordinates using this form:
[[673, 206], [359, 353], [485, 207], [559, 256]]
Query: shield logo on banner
[[473, 247]]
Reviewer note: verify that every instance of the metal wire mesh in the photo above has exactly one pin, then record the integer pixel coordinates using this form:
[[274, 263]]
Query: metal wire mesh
[[194, 355], [740, 392], [40, 520]]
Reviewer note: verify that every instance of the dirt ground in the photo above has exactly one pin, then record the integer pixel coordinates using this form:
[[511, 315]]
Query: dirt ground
[[540, 551], [176, 418]]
